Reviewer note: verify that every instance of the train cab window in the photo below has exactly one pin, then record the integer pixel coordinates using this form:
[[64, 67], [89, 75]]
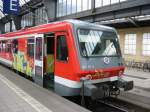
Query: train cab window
[[98, 43], [62, 49], [30, 47], [15, 44]]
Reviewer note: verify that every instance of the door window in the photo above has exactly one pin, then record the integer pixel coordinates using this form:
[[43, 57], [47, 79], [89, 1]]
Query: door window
[[39, 48], [62, 49], [30, 47]]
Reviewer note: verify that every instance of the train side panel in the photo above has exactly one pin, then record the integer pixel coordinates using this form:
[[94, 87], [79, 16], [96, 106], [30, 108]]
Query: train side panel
[[15, 53], [6, 56], [23, 60]]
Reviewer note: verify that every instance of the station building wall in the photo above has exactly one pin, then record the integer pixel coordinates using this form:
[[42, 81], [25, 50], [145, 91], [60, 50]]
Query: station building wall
[[138, 48]]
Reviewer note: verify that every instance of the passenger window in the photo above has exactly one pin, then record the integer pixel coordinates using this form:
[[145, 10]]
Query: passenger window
[[62, 49], [15, 43], [30, 47], [3, 46]]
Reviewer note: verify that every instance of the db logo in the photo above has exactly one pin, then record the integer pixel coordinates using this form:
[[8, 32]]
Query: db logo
[[106, 60]]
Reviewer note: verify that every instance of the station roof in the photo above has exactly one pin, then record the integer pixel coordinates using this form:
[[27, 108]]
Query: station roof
[[21, 2]]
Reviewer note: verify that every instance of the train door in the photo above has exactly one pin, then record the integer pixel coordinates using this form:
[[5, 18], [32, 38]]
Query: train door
[[49, 60], [61, 61], [38, 77]]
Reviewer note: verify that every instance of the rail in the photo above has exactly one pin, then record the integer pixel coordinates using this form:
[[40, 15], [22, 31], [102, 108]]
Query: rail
[[114, 107]]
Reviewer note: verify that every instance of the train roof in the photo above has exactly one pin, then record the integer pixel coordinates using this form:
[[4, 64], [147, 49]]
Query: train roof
[[83, 23], [76, 23]]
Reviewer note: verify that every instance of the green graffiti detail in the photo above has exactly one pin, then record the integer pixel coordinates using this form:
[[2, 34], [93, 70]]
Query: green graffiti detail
[[21, 64]]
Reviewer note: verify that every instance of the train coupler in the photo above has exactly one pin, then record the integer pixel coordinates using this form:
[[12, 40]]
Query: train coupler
[[125, 84], [91, 90]]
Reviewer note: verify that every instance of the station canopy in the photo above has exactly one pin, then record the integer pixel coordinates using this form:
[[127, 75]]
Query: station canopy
[[21, 2]]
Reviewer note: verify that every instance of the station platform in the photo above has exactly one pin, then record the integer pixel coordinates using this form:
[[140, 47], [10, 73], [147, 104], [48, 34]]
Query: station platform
[[18, 94], [140, 95]]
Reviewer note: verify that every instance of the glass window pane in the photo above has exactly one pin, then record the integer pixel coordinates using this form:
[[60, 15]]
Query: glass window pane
[[74, 6], [60, 5], [7, 27], [38, 48], [89, 4], [98, 3], [13, 26], [27, 20], [130, 44], [69, 6], [79, 5], [41, 16], [114, 1], [106, 2], [85, 4], [62, 49], [146, 44], [97, 43], [122, 0], [64, 8]]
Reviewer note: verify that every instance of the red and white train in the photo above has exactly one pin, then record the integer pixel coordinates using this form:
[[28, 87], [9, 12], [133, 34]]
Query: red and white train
[[70, 55]]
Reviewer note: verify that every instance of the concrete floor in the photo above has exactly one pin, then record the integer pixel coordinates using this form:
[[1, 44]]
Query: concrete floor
[[18, 94], [10, 101], [140, 95]]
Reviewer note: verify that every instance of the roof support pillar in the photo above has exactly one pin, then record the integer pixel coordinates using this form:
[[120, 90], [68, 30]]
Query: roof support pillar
[[17, 22], [11, 26], [2, 27], [50, 7], [93, 5]]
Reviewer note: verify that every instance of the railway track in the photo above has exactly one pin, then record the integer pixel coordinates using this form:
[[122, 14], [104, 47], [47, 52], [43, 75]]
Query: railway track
[[116, 105], [112, 108], [108, 105]]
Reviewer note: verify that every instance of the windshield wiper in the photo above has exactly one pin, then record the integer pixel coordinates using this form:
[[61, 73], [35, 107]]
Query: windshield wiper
[[86, 54]]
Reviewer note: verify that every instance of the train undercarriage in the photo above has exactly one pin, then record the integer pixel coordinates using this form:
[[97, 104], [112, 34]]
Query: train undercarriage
[[105, 89]]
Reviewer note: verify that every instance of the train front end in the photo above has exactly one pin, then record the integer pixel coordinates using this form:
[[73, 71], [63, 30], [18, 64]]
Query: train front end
[[101, 63]]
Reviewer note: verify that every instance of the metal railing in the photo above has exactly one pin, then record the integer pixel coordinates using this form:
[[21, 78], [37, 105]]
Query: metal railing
[[141, 65]]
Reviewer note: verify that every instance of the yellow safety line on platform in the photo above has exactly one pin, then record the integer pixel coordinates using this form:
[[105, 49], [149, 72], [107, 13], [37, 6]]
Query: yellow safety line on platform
[[25, 96]]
